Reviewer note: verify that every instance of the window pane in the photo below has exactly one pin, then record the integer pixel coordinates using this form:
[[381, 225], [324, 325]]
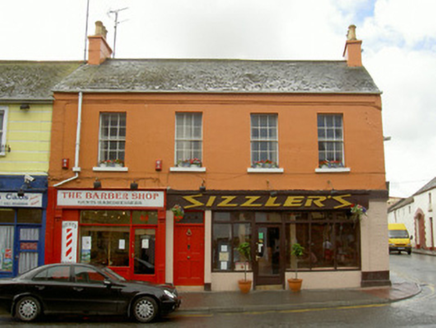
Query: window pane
[[29, 216], [330, 141], [222, 247], [144, 217], [264, 142], [189, 139], [7, 215], [241, 234], [113, 217], [109, 245], [145, 245], [6, 248], [112, 136]]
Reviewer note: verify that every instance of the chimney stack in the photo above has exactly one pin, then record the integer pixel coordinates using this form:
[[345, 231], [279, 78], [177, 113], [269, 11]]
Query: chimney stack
[[99, 50], [353, 48]]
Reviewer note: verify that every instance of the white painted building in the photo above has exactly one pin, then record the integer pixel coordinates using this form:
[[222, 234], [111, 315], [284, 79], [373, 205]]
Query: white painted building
[[417, 213]]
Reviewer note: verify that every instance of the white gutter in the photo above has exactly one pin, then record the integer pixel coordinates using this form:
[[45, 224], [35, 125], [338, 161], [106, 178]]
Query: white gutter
[[76, 167]]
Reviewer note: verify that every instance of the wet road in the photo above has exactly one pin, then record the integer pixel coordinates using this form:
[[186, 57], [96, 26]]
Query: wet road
[[415, 312]]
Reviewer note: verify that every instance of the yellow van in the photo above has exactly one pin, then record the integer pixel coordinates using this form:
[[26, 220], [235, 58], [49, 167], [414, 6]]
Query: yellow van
[[399, 239]]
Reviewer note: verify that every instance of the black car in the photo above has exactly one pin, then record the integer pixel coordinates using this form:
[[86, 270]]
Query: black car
[[85, 289]]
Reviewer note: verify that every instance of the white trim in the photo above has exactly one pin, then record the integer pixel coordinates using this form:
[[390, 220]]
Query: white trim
[[110, 169], [5, 109], [187, 169], [264, 170], [333, 170]]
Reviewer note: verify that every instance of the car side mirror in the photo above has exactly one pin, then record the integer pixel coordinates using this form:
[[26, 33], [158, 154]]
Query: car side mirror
[[411, 237], [107, 283]]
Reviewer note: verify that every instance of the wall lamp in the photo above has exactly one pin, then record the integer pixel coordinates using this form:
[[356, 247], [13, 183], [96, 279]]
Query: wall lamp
[[134, 185], [24, 106], [20, 192], [97, 183], [202, 187]]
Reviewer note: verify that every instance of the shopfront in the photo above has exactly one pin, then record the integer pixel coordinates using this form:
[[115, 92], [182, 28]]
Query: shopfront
[[122, 229], [322, 223], [22, 220]]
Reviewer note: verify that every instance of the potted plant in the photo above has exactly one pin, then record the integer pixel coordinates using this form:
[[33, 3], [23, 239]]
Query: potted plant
[[244, 250], [118, 162], [295, 283]]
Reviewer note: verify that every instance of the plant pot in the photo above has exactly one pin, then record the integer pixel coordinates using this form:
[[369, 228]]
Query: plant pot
[[244, 286], [295, 284]]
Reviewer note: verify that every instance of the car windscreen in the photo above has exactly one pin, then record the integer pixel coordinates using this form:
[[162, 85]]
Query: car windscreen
[[398, 234], [113, 275]]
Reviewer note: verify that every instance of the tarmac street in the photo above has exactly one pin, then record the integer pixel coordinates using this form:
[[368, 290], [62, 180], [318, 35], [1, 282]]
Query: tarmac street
[[408, 302]]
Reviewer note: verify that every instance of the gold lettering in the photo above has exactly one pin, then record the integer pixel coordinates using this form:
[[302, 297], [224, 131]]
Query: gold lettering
[[193, 201], [210, 201], [294, 201], [271, 202], [227, 200], [250, 201], [317, 200], [344, 202]]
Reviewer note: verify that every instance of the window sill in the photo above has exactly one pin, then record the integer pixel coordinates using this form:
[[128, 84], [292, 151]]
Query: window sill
[[110, 169], [187, 169], [264, 170], [333, 170]]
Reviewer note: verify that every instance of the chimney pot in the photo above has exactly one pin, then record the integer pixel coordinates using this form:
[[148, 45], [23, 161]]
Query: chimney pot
[[351, 35]]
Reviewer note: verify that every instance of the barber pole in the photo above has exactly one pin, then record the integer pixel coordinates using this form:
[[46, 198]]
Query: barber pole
[[69, 241]]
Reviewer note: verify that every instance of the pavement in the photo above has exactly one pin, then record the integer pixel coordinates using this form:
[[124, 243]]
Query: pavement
[[282, 300]]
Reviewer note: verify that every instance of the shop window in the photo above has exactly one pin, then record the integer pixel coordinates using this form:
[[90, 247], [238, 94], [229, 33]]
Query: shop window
[[330, 241], [6, 247], [112, 138], [29, 216], [144, 217], [189, 140], [264, 141], [330, 141], [105, 217], [7, 215], [229, 231], [192, 218], [105, 245]]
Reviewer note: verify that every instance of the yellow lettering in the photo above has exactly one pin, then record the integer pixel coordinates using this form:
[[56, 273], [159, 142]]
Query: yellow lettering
[[317, 200], [250, 201], [227, 200], [344, 202], [210, 201], [271, 202], [193, 201], [294, 201]]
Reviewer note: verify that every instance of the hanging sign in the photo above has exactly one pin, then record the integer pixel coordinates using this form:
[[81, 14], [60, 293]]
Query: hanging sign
[[69, 241]]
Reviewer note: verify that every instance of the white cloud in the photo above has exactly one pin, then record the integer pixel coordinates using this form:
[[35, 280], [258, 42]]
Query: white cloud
[[398, 41]]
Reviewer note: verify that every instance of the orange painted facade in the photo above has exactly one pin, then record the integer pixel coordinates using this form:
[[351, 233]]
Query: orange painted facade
[[226, 141]]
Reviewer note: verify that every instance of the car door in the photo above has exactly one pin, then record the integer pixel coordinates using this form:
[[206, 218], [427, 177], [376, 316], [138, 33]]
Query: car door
[[53, 286], [91, 295]]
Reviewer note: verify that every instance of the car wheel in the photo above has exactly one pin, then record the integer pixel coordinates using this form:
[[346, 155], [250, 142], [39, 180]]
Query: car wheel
[[145, 309], [27, 309]]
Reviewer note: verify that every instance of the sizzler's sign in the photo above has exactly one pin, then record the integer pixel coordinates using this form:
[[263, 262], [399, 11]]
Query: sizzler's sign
[[283, 202]]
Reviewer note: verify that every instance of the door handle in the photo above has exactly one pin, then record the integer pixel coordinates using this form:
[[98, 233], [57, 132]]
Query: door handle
[[78, 289], [40, 287]]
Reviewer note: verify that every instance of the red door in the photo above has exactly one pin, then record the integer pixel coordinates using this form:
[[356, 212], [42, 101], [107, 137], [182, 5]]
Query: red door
[[188, 254]]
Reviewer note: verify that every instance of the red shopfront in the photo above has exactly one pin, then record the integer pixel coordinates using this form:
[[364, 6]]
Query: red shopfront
[[122, 229]]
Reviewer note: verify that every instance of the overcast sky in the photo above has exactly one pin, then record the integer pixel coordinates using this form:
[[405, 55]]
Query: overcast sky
[[398, 42]]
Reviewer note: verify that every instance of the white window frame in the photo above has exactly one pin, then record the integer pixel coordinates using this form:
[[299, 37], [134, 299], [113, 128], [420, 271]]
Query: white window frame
[[335, 140], [3, 130], [105, 154], [187, 120], [270, 139]]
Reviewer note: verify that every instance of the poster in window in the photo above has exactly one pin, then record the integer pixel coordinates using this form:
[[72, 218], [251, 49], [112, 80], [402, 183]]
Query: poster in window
[[121, 244]]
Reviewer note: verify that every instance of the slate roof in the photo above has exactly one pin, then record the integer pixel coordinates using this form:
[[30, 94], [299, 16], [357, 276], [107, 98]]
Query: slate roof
[[401, 203], [32, 81], [219, 76], [430, 185]]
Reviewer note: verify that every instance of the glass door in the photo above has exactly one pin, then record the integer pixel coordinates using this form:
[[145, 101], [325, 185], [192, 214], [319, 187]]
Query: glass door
[[28, 245], [144, 251], [268, 267]]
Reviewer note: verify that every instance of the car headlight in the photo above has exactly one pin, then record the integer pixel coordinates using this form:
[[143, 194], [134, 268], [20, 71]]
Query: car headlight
[[169, 294]]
